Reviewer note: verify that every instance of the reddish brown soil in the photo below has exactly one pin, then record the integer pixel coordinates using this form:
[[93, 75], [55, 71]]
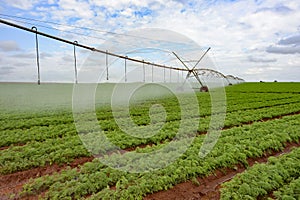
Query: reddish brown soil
[[209, 188], [3, 148], [12, 183], [6, 147]]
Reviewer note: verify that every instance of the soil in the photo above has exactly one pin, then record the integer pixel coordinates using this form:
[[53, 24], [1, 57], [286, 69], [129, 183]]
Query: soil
[[3, 148], [209, 187], [11, 184]]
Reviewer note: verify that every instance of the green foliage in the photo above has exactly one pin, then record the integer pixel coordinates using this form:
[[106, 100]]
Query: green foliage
[[289, 191], [261, 179], [50, 137]]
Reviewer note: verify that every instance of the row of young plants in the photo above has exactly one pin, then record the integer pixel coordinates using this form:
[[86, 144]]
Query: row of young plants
[[174, 114], [170, 128], [68, 147], [43, 121], [28, 130], [49, 131], [144, 119], [259, 103], [234, 146], [261, 179], [287, 87], [203, 97], [36, 133], [246, 101], [36, 154], [66, 128], [34, 119], [238, 147], [289, 191], [43, 133]]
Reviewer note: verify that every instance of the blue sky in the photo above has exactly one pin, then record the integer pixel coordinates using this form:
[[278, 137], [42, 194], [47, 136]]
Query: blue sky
[[252, 39]]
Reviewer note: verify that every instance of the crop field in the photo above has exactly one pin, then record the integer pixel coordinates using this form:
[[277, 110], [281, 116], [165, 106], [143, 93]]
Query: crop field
[[256, 156]]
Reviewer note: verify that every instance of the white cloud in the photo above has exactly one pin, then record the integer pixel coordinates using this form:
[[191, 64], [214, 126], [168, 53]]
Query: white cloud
[[292, 40], [261, 59], [283, 49], [120, 4], [9, 45], [5, 71], [242, 34], [288, 45], [22, 4]]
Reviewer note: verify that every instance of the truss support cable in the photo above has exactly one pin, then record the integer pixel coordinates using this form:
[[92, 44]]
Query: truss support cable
[[75, 62], [88, 47], [37, 54]]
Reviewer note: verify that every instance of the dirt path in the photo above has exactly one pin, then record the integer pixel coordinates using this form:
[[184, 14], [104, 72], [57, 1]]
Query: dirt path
[[209, 188]]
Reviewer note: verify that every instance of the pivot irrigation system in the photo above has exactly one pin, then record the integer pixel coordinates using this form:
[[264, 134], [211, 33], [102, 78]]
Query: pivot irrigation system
[[194, 72]]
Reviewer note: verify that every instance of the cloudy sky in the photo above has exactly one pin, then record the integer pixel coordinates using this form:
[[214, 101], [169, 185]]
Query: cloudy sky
[[252, 39]]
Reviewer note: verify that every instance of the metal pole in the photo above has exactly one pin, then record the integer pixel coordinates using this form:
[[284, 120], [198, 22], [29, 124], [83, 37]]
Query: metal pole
[[37, 54], [170, 75], [87, 47], [126, 69], [106, 64], [75, 62], [193, 69], [152, 73], [144, 75], [164, 75], [201, 58]]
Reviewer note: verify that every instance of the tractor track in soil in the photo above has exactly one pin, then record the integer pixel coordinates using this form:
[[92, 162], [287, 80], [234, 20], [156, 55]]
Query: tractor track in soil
[[209, 187]]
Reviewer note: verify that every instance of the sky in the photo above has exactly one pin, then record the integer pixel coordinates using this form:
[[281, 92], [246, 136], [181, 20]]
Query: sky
[[252, 39]]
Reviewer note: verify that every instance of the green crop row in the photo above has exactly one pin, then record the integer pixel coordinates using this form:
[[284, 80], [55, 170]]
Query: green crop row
[[68, 147], [234, 146], [289, 191], [104, 113], [36, 133], [35, 154], [238, 145], [261, 179], [265, 88]]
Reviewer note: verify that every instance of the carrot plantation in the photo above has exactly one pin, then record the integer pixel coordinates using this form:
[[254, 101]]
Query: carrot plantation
[[256, 156]]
